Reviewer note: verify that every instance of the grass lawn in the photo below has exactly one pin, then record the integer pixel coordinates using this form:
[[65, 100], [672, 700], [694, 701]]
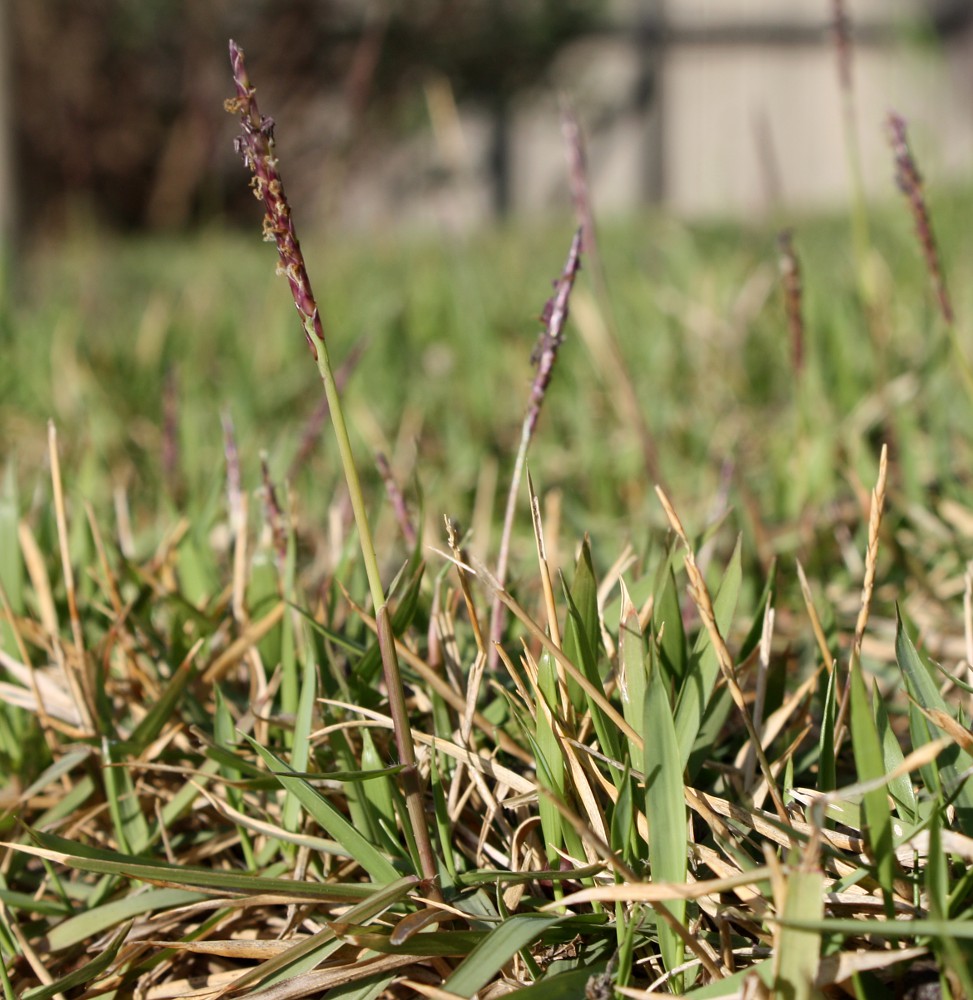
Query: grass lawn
[[725, 735]]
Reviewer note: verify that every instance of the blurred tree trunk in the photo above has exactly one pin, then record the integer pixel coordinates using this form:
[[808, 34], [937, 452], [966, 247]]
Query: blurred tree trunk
[[8, 199]]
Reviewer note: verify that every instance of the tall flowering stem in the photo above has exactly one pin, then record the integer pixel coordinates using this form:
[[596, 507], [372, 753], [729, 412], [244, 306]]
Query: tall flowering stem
[[256, 146], [909, 180], [554, 317]]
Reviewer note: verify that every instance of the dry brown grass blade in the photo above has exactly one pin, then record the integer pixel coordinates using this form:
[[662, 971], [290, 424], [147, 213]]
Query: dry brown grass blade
[[240, 646]]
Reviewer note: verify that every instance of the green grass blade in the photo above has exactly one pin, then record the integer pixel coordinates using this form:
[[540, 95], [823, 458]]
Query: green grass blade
[[131, 826], [85, 858], [633, 675], [870, 766], [581, 645], [673, 648], [328, 818], [91, 923], [11, 564], [900, 787], [548, 756], [797, 952], [665, 806], [87, 971], [495, 950], [703, 669], [954, 763], [301, 750], [827, 778]]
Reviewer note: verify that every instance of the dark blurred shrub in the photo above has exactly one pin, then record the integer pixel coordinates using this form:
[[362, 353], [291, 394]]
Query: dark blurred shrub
[[118, 103]]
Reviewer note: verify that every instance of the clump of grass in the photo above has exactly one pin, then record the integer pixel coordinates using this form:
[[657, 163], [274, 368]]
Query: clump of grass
[[654, 795]]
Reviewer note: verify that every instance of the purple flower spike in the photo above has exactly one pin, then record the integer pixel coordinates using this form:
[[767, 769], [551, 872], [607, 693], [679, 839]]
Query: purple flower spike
[[256, 146]]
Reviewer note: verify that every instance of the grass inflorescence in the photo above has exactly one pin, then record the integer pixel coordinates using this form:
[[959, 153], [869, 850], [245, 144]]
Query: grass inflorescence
[[262, 739]]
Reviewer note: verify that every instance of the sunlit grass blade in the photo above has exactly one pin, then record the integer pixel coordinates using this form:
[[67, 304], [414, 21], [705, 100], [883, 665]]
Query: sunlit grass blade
[[900, 787], [955, 764], [328, 818], [581, 646], [84, 858], [665, 806], [93, 922], [796, 952], [548, 756], [301, 749], [633, 675], [870, 767], [495, 950], [703, 669], [667, 614], [11, 565], [131, 827]]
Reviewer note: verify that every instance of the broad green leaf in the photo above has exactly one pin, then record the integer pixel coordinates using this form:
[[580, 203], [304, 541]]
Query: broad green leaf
[[797, 951], [633, 675], [495, 950], [870, 766], [131, 826], [90, 924], [665, 806], [667, 617], [581, 645], [900, 787], [954, 763]]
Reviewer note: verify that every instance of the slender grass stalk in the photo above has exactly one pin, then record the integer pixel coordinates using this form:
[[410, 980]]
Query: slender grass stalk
[[909, 180], [256, 146], [554, 317]]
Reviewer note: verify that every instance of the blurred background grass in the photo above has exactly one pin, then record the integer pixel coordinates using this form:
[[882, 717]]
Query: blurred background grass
[[446, 330]]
